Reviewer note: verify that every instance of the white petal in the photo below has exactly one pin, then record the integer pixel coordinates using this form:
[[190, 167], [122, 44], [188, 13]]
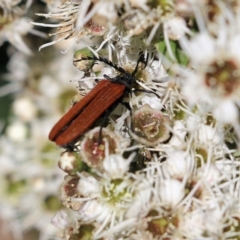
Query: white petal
[[17, 131], [116, 166], [200, 49], [178, 163], [226, 112], [88, 186], [60, 219], [171, 192], [24, 108]]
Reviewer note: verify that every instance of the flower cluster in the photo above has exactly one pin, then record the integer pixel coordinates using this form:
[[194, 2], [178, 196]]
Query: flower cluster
[[162, 162], [180, 178], [29, 178]]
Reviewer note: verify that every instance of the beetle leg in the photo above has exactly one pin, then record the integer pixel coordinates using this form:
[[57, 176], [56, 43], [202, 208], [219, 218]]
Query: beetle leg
[[105, 117], [127, 106], [107, 77]]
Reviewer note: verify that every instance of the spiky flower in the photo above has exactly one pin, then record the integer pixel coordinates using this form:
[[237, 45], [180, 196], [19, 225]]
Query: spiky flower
[[14, 24]]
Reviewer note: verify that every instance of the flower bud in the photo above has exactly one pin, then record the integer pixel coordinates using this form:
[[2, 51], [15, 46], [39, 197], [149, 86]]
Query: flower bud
[[150, 126], [70, 162], [85, 231], [94, 150], [84, 65], [69, 189], [158, 226], [171, 192]]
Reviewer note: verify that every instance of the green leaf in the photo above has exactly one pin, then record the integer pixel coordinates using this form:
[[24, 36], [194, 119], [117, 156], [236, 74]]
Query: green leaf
[[179, 54]]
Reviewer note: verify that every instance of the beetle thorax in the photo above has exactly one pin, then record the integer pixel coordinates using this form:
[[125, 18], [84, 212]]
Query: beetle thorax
[[126, 79]]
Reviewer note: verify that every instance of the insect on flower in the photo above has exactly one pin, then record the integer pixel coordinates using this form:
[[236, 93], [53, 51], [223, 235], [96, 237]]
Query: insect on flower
[[101, 100]]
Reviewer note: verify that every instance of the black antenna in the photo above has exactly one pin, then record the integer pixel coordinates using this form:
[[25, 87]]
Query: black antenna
[[106, 61], [140, 59]]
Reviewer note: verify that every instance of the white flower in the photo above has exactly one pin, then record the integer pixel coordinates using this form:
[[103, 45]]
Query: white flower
[[60, 219], [201, 48], [193, 123], [215, 80], [230, 110], [175, 28], [93, 210], [208, 135], [13, 33], [17, 131], [105, 11], [25, 108], [14, 25], [111, 202], [187, 224], [178, 163], [171, 192], [179, 134], [210, 173], [116, 166], [142, 200], [88, 186], [187, 184]]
